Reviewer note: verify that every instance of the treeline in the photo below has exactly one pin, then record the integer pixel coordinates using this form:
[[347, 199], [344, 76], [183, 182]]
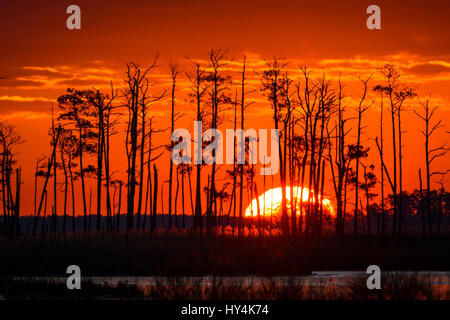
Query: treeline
[[318, 146]]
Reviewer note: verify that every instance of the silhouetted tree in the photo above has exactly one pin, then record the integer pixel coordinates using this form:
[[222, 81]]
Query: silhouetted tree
[[240, 169], [218, 99], [431, 154], [369, 183], [135, 95], [340, 160], [9, 140], [361, 109], [69, 149], [198, 91], [273, 82], [76, 112], [397, 95], [174, 74], [44, 189]]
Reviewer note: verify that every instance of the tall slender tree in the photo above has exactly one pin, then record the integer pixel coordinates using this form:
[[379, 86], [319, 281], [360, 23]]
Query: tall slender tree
[[76, 112], [431, 154], [135, 94], [273, 83], [218, 99], [174, 74], [397, 94], [198, 90], [362, 108]]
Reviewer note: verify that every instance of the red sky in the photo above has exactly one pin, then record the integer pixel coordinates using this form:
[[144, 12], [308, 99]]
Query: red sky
[[41, 58]]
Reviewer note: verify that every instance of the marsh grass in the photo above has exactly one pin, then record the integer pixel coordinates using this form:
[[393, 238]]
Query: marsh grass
[[395, 286], [26, 289]]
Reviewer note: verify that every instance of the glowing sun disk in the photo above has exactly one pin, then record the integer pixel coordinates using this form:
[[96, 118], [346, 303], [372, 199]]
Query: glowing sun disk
[[270, 202]]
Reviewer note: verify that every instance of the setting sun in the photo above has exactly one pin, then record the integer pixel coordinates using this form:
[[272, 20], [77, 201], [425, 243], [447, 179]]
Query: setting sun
[[270, 202]]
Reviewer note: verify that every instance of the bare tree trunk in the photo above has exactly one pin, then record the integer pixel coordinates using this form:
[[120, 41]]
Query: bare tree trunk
[[100, 150], [4, 199], [90, 211], [428, 173], [214, 77], [132, 172], [66, 185], [258, 210], [264, 195], [155, 200], [55, 183], [141, 166], [302, 183], [190, 190], [369, 231], [35, 187], [400, 174], [361, 110], [83, 187], [172, 129], [182, 197], [322, 186], [421, 203], [383, 213], [109, 210], [241, 166], [119, 206], [233, 192], [196, 81], [73, 195], [176, 198], [440, 209], [44, 220], [291, 181], [431, 154], [52, 158], [17, 202], [137, 86], [394, 148], [147, 194]]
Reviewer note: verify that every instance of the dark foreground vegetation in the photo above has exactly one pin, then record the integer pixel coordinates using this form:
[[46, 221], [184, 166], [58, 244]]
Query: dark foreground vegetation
[[50, 289], [394, 287], [186, 254]]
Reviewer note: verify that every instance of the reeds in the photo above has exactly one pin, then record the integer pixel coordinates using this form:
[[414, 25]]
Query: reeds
[[395, 286]]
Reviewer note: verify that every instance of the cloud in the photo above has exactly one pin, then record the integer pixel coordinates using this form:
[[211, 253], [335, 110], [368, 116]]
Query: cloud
[[21, 83], [25, 99], [59, 77], [39, 85], [82, 82], [48, 69], [429, 68], [24, 115]]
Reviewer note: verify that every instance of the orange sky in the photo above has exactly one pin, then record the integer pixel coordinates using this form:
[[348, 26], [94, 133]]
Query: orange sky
[[41, 58]]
